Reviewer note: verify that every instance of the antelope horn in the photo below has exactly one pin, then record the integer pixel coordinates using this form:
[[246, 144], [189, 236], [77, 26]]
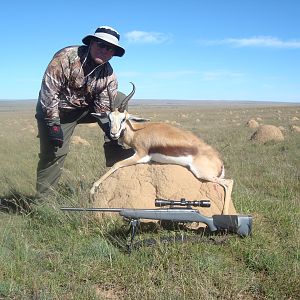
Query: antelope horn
[[110, 97], [127, 98]]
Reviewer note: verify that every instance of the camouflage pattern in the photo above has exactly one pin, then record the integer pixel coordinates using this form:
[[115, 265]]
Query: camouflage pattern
[[72, 80]]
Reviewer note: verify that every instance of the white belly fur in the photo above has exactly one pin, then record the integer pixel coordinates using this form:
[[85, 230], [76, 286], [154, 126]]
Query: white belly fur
[[144, 159], [178, 160]]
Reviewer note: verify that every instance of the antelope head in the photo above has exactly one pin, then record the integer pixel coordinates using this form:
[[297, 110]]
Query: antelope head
[[117, 116]]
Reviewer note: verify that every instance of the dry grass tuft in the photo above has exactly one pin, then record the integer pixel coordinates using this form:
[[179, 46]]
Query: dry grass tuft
[[108, 293], [92, 125]]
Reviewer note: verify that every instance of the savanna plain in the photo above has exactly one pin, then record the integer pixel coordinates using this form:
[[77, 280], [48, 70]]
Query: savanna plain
[[49, 254]]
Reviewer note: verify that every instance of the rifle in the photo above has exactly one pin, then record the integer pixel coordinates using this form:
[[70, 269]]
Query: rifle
[[179, 211]]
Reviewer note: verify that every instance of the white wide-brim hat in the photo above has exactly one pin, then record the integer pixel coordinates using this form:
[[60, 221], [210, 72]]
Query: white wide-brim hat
[[107, 34]]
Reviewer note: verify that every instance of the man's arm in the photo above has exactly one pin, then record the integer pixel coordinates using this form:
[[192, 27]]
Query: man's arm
[[50, 89], [48, 102]]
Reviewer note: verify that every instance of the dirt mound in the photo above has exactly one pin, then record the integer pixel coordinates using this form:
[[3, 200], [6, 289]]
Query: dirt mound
[[77, 140], [266, 133], [139, 185], [252, 123], [295, 128]]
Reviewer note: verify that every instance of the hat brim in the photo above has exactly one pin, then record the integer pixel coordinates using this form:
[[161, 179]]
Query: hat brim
[[119, 51]]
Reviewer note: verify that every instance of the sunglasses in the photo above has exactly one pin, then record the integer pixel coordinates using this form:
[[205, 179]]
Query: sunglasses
[[106, 46]]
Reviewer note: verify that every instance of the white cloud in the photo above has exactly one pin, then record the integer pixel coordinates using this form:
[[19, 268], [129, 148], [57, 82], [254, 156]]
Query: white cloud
[[144, 37], [258, 41]]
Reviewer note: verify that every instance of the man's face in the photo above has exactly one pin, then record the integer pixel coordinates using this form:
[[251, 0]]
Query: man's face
[[101, 52]]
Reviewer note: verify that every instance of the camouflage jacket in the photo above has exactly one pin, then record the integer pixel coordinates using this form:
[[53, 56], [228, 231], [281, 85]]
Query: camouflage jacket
[[71, 81]]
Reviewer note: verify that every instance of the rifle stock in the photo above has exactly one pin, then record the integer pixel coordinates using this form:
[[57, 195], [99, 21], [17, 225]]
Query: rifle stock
[[240, 224]]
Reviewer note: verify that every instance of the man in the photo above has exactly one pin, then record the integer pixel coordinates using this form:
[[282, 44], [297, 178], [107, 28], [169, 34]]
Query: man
[[76, 83]]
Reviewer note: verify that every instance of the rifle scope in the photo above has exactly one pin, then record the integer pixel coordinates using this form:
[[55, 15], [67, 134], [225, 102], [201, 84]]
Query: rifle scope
[[182, 202]]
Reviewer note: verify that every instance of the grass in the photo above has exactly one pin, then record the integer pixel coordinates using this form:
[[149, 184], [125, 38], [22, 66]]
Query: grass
[[48, 254]]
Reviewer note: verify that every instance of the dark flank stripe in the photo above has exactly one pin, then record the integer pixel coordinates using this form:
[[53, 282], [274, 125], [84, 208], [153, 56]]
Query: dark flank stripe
[[174, 150]]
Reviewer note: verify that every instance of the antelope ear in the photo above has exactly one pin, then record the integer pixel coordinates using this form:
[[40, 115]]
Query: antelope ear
[[136, 125], [137, 119], [102, 117]]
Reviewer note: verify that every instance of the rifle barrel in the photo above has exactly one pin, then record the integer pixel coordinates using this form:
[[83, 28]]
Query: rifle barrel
[[91, 209]]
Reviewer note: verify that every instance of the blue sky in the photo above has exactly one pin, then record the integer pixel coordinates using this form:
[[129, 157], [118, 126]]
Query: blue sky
[[191, 49]]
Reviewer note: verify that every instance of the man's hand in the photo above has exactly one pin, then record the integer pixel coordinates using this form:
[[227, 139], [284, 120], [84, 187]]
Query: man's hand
[[55, 135]]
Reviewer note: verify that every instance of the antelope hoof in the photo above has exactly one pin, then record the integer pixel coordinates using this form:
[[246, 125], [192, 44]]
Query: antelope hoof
[[92, 196], [93, 191]]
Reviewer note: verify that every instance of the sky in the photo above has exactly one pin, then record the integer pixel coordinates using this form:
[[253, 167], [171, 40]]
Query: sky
[[185, 50]]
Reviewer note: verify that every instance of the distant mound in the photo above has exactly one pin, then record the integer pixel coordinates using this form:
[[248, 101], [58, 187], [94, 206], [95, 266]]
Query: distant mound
[[295, 128], [77, 140], [266, 133], [252, 123]]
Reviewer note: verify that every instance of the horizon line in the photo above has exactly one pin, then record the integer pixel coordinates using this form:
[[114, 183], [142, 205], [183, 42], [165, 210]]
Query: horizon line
[[185, 100]]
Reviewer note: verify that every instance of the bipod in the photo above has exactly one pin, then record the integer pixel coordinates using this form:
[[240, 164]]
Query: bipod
[[133, 229]]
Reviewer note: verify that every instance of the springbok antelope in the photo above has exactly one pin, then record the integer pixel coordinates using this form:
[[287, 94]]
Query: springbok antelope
[[163, 143]]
